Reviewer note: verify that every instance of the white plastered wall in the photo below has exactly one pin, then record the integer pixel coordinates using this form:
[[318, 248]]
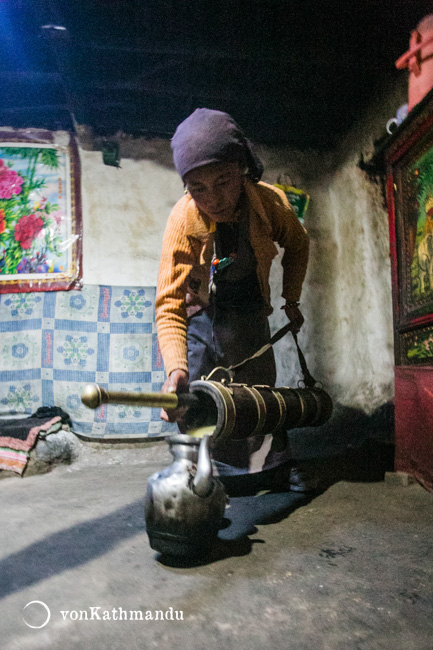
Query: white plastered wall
[[124, 212], [347, 337]]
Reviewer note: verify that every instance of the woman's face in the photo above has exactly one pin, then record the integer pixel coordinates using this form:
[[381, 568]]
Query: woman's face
[[216, 189]]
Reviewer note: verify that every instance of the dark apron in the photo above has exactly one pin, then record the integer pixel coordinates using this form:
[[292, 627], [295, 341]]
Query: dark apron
[[230, 329]]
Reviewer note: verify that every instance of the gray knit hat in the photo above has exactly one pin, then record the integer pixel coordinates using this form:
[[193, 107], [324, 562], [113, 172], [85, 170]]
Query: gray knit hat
[[209, 136]]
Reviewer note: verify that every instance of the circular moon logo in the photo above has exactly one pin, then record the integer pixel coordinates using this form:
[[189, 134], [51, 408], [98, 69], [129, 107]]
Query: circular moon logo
[[47, 611]]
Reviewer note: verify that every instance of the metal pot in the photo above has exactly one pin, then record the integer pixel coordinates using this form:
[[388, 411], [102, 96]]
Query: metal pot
[[184, 503]]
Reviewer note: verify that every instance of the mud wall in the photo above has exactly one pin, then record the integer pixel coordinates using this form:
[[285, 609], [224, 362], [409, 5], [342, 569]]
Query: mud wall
[[346, 300]]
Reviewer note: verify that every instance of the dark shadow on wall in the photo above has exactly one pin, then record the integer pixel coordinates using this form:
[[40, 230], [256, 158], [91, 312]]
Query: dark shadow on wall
[[352, 446]]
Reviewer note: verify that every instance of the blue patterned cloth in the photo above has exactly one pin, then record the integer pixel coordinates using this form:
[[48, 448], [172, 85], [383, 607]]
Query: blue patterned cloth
[[52, 344]]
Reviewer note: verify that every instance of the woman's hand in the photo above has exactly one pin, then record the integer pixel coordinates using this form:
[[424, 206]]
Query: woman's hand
[[176, 382], [295, 316]]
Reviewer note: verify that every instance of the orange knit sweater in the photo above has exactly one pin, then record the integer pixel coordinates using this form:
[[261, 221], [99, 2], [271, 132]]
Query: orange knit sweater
[[187, 254]]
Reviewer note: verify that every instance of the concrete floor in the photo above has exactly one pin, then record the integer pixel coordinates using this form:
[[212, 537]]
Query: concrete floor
[[348, 569]]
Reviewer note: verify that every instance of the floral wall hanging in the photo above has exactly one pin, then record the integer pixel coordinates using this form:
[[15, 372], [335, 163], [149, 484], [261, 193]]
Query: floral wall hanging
[[40, 212]]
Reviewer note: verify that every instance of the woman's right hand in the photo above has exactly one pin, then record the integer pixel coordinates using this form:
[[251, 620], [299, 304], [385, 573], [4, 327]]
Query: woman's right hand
[[176, 382]]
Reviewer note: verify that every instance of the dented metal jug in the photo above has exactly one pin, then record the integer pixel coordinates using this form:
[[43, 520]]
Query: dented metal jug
[[185, 503]]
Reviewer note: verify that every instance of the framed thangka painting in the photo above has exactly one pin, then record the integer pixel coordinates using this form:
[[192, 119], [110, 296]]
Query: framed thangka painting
[[408, 156], [40, 212], [411, 198]]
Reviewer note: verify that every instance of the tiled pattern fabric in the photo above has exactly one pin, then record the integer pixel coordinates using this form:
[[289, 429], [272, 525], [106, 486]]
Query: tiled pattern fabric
[[52, 344]]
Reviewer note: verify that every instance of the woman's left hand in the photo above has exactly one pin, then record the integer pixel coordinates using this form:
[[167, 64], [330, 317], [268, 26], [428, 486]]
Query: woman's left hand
[[295, 316]]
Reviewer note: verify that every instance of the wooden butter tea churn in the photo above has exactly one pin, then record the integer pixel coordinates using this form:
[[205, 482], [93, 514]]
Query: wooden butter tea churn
[[185, 504]]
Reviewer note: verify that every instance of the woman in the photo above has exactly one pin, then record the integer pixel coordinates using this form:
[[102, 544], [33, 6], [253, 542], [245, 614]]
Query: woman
[[213, 296]]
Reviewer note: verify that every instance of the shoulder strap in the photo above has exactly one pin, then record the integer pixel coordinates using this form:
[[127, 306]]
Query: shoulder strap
[[309, 380]]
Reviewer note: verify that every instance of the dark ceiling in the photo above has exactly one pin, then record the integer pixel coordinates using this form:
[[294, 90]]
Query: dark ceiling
[[291, 72]]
